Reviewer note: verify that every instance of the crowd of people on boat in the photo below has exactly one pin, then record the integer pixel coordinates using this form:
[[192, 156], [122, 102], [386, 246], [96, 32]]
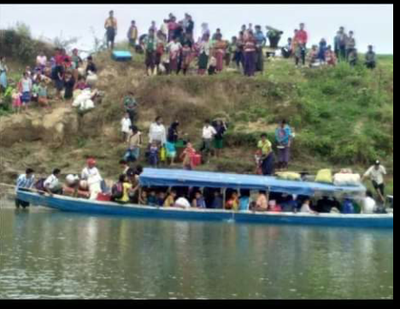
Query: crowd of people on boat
[[90, 185]]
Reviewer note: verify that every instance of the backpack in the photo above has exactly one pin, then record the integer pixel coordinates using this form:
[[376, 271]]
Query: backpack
[[117, 190]]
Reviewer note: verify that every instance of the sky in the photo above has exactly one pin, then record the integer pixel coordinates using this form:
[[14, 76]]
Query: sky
[[372, 24]]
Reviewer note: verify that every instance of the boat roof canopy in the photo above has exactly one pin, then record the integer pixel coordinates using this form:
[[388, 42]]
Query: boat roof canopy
[[180, 178]]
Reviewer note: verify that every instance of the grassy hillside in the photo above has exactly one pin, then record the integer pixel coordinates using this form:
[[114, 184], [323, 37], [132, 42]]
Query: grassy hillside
[[342, 116]]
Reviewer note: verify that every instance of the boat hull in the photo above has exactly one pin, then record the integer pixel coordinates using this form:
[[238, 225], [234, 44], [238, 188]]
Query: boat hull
[[109, 208]]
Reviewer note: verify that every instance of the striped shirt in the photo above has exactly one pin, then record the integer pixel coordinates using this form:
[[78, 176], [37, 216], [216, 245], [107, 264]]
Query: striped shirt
[[24, 182]]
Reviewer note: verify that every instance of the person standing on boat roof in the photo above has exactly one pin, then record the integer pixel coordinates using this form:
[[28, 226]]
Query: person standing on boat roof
[[267, 159], [24, 182], [376, 173]]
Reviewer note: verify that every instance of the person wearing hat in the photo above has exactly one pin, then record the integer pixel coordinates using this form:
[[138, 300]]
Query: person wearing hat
[[376, 173], [90, 171], [92, 175]]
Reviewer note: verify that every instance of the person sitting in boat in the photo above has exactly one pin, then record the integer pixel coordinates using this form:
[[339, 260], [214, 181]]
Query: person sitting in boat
[[262, 201], [306, 207], [273, 206], [24, 182], [348, 206], [233, 202], [126, 188], [152, 199], [289, 204], [326, 204], [52, 184], [71, 186], [244, 200], [182, 202], [170, 201], [368, 204], [217, 202], [161, 198], [199, 201], [143, 200]]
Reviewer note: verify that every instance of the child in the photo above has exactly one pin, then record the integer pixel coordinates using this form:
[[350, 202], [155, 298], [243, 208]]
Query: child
[[233, 202], [69, 84], [161, 199], [212, 68], [199, 201], [152, 199], [35, 91], [17, 103], [153, 155], [313, 57], [81, 84], [42, 95], [187, 157], [143, 198], [126, 125]]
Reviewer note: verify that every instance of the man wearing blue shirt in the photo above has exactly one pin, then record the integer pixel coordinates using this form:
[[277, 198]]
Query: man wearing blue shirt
[[24, 182], [283, 135]]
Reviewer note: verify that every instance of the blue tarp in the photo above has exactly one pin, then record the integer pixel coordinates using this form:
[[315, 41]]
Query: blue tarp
[[121, 55], [180, 178]]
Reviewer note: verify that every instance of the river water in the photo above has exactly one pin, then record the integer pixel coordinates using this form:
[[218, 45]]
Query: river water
[[48, 254]]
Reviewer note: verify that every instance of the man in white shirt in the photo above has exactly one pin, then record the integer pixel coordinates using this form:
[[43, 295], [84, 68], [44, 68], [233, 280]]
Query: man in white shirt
[[126, 125], [52, 184], [157, 132], [368, 204], [24, 182], [208, 135], [92, 175], [376, 174]]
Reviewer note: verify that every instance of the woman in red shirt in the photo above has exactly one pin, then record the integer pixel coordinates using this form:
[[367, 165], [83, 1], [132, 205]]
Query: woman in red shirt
[[249, 55]]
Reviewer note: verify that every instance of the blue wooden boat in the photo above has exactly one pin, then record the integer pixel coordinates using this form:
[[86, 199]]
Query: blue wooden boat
[[177, 178]]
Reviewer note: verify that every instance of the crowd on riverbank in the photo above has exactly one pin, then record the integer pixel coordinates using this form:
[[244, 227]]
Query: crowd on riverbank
[[172, 48]]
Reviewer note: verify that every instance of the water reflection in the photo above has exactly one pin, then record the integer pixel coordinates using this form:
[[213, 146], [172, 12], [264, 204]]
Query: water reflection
[[50, 254]]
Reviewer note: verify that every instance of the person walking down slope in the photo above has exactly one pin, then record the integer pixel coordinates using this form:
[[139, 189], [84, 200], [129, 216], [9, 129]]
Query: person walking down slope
[[111, 29], [283, 135], [208, 135], [267, 155]]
